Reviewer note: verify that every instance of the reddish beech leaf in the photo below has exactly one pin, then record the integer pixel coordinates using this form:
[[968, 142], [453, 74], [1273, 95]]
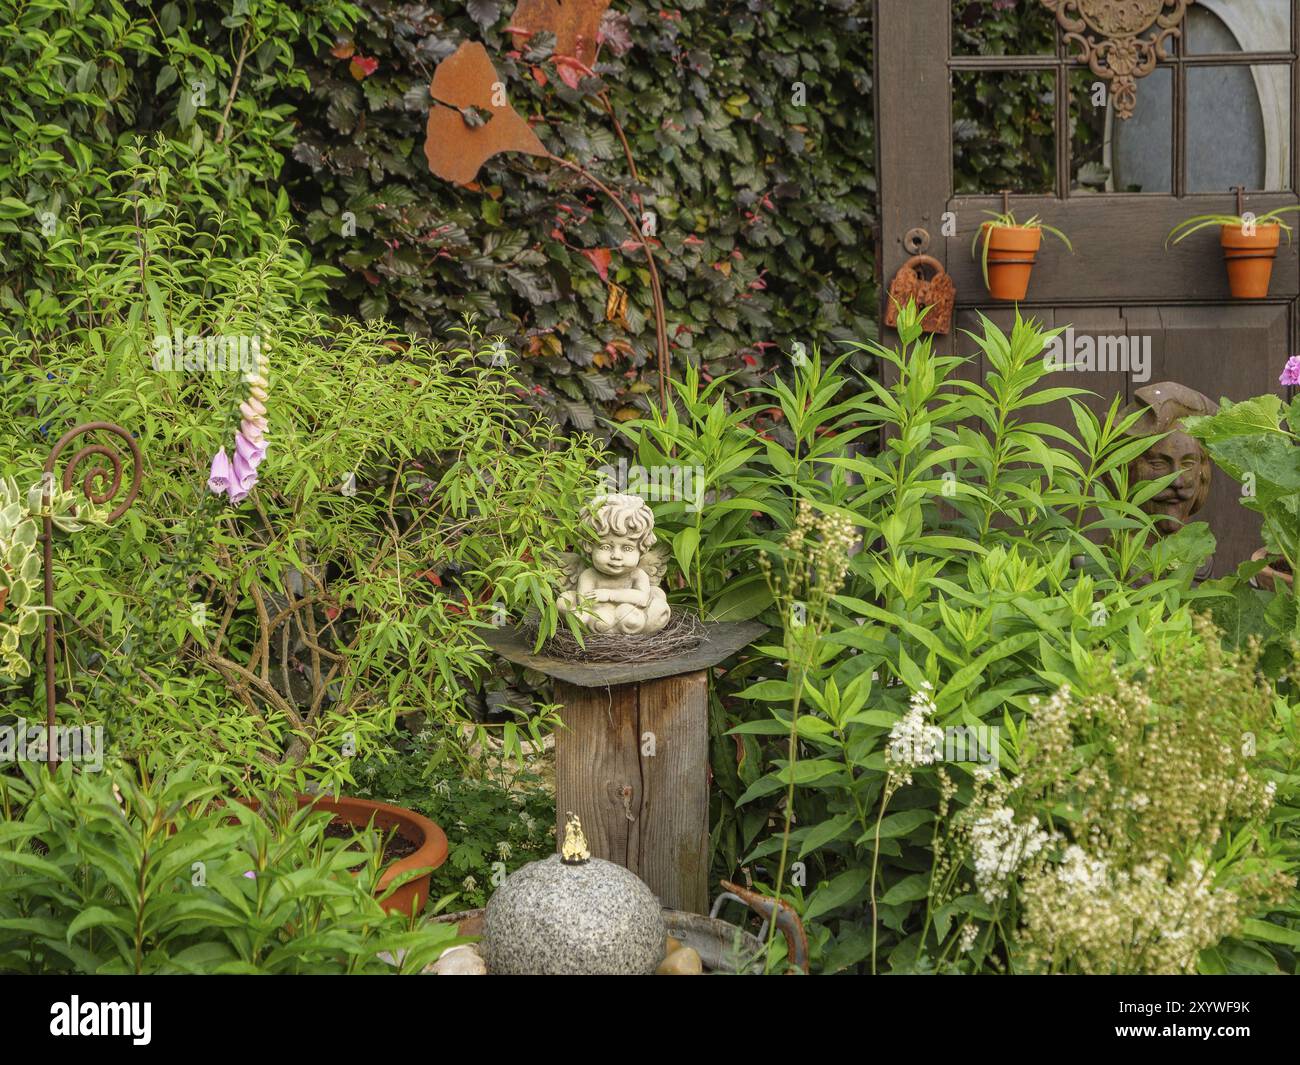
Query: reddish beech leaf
[[600, 259], [344, 49], [570, 70], [362, 67], [570, 76], [455, 150], [575, 23]]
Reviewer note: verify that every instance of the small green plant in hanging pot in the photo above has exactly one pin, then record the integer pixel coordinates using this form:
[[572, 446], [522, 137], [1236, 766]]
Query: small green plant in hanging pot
[[1009, 250], [1249, 242]]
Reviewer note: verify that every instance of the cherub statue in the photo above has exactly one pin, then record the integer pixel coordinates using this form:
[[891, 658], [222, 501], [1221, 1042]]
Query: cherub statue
[[619, 592]]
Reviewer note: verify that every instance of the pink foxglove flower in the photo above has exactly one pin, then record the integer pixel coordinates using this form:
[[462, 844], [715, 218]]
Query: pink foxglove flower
[[1291, 371], [250, 450], [245, 470], [221, 476], [237, 477]]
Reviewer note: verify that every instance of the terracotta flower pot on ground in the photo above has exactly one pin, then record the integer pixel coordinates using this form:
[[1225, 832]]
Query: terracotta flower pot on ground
[[1250, 259], [1011, 254], [1270, 578], [429, 840]]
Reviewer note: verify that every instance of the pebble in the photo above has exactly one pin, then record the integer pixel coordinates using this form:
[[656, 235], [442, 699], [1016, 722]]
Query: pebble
[[685, 961], [463, 960]]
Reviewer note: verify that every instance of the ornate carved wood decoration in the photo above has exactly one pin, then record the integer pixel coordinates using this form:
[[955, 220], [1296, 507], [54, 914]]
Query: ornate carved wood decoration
[[1121, 40]]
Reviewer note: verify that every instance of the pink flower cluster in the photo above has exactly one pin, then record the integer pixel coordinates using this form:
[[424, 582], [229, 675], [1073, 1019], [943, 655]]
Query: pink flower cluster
[[237, 478], [1291, 371]]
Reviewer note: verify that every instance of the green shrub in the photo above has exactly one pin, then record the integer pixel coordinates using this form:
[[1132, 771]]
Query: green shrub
[[999, 556], [149, 871], [408, 502], [208, 79], [497, 811], [1135, 836]]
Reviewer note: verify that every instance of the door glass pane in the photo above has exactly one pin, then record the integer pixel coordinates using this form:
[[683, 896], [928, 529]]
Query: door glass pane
[[1002, 27], [1214, 27], [1113, 154], [1003, 131], [1238, 128]]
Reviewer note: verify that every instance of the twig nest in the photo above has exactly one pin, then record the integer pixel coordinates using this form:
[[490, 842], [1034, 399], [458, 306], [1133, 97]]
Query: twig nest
[[588, 918]]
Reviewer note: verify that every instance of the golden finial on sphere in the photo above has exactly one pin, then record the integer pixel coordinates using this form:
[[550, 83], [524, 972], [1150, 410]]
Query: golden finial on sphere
[[574, 851]]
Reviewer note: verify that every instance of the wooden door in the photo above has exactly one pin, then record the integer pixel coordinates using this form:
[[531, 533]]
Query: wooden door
[[978, 96]]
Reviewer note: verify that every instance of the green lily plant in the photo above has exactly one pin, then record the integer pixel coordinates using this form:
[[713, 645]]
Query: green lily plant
[[1007, 220], [1196, 223]]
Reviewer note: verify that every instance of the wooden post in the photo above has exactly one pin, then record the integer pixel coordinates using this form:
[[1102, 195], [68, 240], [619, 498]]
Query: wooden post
[[633, 763], [633, 758]]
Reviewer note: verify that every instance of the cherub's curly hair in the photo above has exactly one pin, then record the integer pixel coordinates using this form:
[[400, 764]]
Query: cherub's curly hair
[[622, 515]]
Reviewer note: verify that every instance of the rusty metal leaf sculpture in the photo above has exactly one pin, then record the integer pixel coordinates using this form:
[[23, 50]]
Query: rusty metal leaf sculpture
[[471, 120], [457, 145], [575, 23]]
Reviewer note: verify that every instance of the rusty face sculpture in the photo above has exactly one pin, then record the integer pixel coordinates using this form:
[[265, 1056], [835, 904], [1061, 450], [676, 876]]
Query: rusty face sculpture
[[1164, 406]]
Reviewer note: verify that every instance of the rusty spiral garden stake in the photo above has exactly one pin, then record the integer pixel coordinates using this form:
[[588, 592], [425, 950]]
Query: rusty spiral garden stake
[[101, 484]]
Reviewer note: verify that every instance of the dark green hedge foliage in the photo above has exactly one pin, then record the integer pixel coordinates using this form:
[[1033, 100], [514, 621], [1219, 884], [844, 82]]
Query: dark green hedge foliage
[[763, 190]]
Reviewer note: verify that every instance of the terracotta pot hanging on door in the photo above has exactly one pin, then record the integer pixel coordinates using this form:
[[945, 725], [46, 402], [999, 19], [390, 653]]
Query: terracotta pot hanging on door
[[1250, 258], [1012, 254]]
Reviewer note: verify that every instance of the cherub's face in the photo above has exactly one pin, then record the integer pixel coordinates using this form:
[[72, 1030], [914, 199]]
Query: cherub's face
[[616, 556]]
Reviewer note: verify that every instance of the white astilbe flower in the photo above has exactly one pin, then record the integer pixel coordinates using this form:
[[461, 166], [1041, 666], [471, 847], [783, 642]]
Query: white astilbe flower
[[1000, 847], [1150, 918], [1079, 872], [914, 741]]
